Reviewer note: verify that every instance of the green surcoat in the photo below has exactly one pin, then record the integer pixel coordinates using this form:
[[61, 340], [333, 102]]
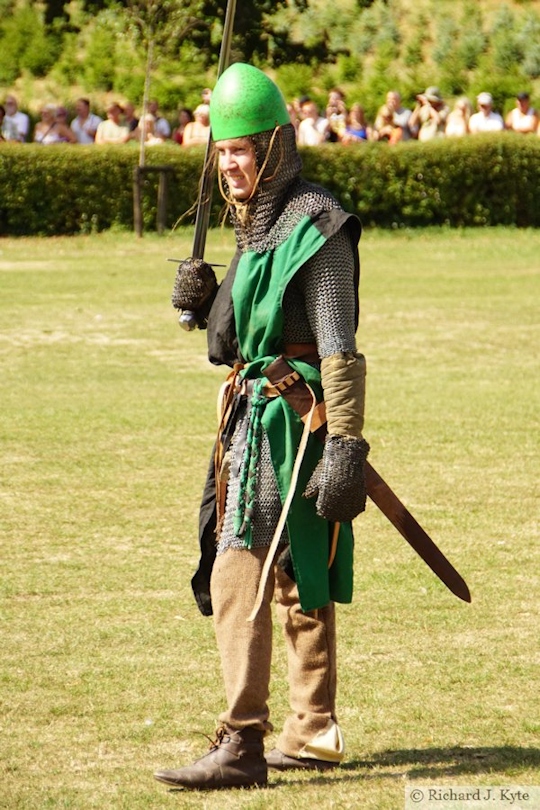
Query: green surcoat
[[257, 295]]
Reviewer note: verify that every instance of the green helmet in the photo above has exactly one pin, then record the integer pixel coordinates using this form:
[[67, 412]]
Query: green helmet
[[244, 102]]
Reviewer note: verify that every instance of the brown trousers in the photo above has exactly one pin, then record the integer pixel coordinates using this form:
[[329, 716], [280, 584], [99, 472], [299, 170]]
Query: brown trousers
[[246, 651]]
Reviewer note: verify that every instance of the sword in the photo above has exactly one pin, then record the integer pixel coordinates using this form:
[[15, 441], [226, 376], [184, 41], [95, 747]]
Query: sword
[[294, 390], [188, 320], [400, 517]]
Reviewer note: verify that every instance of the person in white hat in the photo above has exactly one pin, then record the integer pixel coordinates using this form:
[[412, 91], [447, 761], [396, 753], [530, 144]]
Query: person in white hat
[[485, 120]]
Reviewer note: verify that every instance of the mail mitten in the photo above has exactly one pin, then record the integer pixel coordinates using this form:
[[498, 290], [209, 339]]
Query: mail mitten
[[195, 288], [338, 481]]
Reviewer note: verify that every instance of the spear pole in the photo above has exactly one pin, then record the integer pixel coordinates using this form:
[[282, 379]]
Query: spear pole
[[204, 201], [187, 319]]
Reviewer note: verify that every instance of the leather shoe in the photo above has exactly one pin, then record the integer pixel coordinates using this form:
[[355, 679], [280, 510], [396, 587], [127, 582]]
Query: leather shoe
[[278, 761], [235, 759]]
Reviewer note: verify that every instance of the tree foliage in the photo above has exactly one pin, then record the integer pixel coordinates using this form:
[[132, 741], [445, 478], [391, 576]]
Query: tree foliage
[[366, 45]]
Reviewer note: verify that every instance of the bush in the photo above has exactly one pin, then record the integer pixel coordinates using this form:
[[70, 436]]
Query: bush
[[480, 180], [76, 189]]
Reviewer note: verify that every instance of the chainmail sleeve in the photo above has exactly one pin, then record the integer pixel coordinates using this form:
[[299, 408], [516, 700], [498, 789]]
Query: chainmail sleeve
[[320, 302]]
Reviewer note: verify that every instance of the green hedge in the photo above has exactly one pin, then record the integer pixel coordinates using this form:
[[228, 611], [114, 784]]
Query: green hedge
[[82, 189], [480, 180]]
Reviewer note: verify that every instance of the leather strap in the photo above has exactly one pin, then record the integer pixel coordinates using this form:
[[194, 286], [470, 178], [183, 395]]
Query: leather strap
[[294, 390], [302, 351]]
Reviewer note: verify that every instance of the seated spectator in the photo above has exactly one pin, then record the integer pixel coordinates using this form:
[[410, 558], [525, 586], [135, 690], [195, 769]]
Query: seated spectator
[[336, 115], [8, 130], [162, 126], [313, 128], [66, 133], [52, 129], [297, 106], [523, 118], [197, 132], [113, 130], [130, 120], [146, 128], [185, 116], [485, 120], [86, 123], [457, 123], [401, 115], [206, 95], [18, 118], [428, 119], [356, 128], [385, 127]]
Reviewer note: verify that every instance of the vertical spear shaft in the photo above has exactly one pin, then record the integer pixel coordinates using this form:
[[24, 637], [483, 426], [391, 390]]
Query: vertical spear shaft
[[187, 319], [204, 201]]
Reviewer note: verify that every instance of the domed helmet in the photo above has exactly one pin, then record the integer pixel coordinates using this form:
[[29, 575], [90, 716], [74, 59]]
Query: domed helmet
[[245, 101]]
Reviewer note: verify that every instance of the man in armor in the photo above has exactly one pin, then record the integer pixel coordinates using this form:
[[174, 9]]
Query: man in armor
[[276, 493]]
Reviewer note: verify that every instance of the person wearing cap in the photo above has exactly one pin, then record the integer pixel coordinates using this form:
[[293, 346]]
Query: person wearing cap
[[275, 520], [523, 118], [428, 119], [486, 119]]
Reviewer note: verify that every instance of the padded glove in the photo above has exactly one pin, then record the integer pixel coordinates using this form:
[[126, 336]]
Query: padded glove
[[338, 481]]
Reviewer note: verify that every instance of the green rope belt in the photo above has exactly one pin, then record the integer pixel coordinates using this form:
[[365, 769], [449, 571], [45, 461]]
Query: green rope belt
[[250, 461]]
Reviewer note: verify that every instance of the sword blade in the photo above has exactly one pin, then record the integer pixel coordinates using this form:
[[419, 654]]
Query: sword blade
[[400, 517]]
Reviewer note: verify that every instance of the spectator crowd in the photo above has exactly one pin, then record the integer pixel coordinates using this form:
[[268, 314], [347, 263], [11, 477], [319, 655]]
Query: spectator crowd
[[120, 126], [430, 118]]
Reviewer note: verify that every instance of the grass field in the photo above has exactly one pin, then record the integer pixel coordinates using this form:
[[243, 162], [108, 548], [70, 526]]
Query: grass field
[[107, 418]]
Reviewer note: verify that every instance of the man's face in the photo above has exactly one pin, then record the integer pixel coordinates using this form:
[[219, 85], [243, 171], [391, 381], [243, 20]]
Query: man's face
[[238, 166]]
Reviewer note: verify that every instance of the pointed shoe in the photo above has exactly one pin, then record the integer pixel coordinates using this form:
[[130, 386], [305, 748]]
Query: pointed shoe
[[278, 761]]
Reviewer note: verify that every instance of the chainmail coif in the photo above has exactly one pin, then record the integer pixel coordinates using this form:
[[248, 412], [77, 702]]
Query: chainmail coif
[[282, 198]]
